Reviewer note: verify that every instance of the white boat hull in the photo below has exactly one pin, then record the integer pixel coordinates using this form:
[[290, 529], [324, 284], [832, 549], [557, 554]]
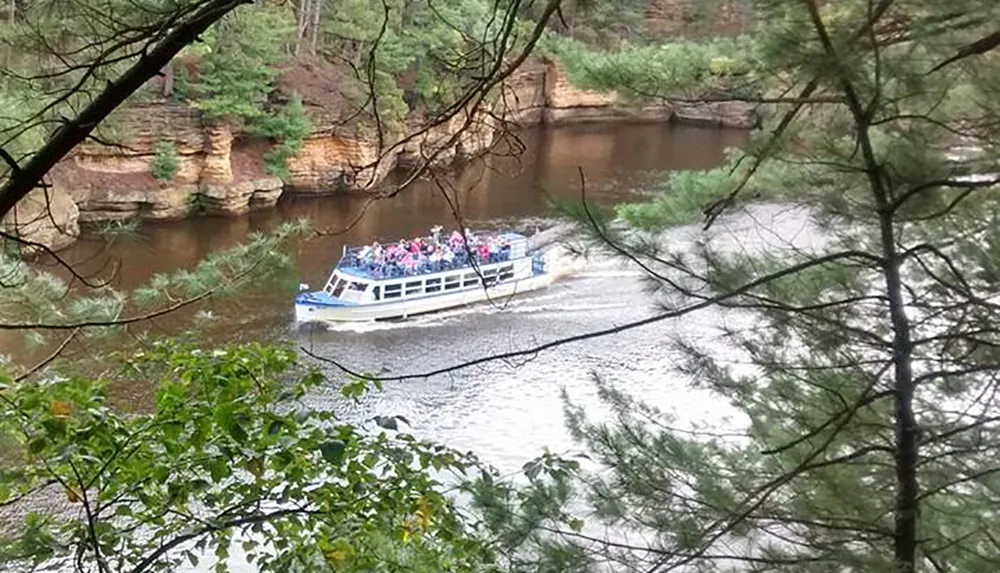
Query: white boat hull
[[402, 308]]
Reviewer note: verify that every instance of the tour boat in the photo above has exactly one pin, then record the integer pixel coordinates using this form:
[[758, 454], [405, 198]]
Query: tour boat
[[369, 283]]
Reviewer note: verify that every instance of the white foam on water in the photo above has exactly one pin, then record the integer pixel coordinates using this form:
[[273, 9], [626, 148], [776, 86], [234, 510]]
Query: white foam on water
[[430, 320], [558, 308], [609, 274]]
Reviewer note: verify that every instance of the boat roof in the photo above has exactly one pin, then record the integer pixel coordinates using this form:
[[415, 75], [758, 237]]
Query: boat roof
[[362, 272], [507, 235]]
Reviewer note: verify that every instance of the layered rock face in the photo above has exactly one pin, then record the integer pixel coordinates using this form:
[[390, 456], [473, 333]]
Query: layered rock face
[[337, 160], [111, 182], [331, 163], [47, 217], [222, 172], [565, 103]]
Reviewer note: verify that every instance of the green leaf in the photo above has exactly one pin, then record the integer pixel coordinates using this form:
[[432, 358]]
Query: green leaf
[[37, 445], [333, 451], [219, 470], [274, 427], [238, 433]]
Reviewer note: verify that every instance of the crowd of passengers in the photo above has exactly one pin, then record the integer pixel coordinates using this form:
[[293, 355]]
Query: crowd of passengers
[[428, 254]]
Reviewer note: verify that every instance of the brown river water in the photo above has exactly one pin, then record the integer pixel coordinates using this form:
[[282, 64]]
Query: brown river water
[[505, 412]]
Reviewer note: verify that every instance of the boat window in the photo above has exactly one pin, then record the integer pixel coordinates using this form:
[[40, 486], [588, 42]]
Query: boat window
[[435, 281], [359, 286], [433, 288], [470, 282], [377, 291], [489, 272], [470, 276], [394, 290], [414, 287], [339, 289], [452, 285], [507, 272]]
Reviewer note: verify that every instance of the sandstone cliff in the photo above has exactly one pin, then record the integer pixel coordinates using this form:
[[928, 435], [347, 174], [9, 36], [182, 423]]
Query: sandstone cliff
[[114, 181], [221, 171]]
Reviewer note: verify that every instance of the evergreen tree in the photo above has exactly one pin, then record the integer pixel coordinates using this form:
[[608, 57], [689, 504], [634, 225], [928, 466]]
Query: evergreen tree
[[870, 385], [239, 70], [165, 162]]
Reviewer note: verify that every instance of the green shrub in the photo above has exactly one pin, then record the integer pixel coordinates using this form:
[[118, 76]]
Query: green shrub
[[165, 161], [182, 83], [288, 129], [643, 72]]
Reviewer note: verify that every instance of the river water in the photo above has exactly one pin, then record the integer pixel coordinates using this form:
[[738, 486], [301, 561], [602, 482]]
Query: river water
[[505, 412]]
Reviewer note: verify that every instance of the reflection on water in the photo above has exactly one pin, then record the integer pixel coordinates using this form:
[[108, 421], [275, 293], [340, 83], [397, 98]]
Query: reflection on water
[[503, 411], [620, 163]]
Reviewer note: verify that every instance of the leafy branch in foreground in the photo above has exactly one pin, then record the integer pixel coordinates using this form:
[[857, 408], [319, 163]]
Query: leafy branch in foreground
[[228, 454]]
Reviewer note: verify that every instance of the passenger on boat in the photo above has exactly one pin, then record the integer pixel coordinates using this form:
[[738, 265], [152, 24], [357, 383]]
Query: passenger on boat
[[427, 254]]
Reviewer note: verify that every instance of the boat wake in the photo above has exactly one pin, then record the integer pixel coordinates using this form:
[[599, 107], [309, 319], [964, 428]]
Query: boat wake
[[436, 319], [554, 308]]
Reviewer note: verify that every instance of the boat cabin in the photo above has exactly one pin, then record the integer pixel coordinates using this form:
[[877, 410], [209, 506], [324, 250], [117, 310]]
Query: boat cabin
[[361, 279]]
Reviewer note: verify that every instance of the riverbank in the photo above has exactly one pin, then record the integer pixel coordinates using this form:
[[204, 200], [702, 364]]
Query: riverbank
[[221, 170]]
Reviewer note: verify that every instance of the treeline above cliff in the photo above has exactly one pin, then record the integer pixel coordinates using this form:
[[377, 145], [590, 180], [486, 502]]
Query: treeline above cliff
[[313, 95], [347, 61]]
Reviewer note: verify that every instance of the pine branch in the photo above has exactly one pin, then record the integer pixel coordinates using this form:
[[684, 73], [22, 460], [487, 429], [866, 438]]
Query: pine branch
[[977, 48]]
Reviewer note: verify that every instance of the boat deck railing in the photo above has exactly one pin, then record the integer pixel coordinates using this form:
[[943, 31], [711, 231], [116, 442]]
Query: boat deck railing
[[353, 264]]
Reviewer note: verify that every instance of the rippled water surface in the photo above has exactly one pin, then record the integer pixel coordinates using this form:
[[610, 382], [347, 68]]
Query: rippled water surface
[[504, 411]]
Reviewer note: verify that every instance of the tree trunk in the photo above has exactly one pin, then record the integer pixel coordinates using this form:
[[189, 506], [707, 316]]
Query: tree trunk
[[168, 79], [302, 24], [317, 8], [907, 500]]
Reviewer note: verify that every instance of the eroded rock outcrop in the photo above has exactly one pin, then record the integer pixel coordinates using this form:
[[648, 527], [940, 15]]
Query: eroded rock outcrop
[[733, 114], [237, 198], [45, 216], [566, 103], [110, 182], [334, 162], [221, 170]]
